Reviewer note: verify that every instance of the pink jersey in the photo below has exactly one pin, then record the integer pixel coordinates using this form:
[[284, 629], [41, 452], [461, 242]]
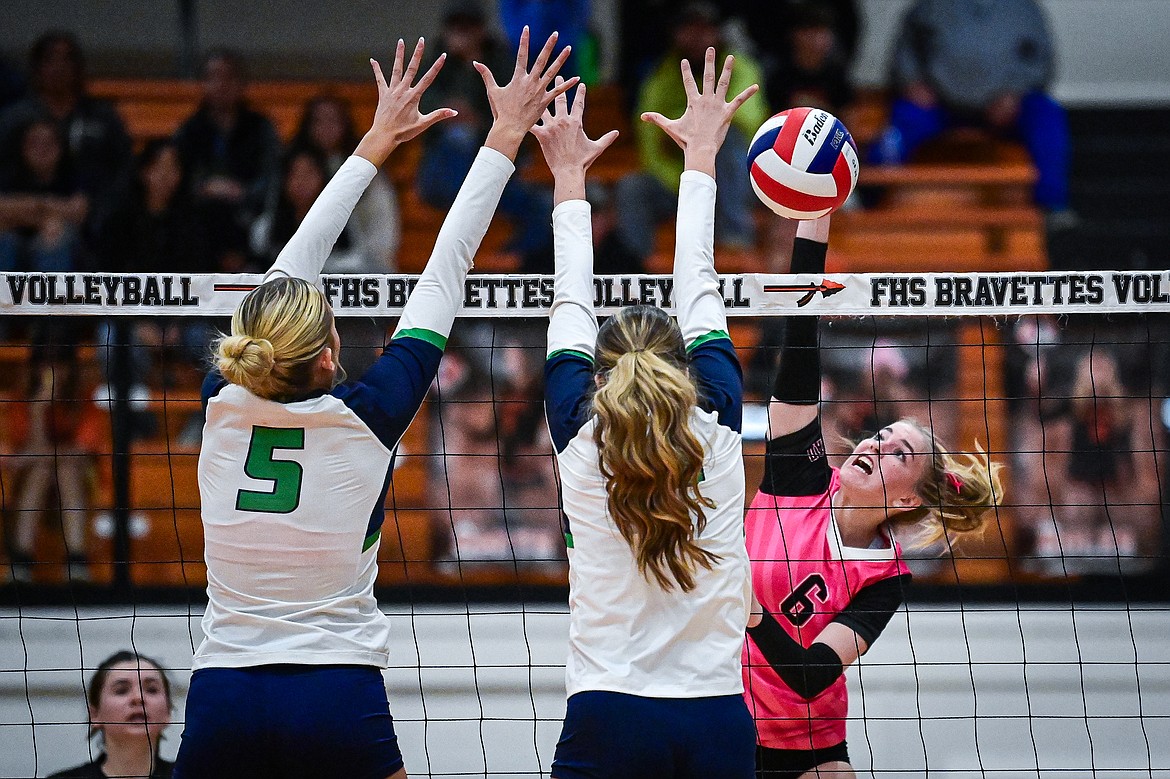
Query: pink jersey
[[804, 575]]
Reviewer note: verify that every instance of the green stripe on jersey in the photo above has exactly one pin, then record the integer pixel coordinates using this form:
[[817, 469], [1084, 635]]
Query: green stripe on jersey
[[372, 539], [568, 540], [573, 352], [711, 336], [422, 334]]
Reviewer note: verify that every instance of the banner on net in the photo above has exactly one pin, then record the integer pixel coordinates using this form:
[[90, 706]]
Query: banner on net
[[748, 294]]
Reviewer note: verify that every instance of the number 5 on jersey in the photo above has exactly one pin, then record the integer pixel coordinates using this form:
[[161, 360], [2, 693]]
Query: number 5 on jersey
[[285, 475]]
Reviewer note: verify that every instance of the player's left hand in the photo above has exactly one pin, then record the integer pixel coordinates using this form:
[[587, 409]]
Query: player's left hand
[[562, 137], [700, 131]]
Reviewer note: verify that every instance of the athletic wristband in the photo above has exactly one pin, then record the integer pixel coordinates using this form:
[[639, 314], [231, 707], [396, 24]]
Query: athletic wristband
[[808, 256], [809, 672], [798, 380]]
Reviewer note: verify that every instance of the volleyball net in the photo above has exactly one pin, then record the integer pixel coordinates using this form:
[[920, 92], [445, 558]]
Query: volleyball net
[[1037, 649]]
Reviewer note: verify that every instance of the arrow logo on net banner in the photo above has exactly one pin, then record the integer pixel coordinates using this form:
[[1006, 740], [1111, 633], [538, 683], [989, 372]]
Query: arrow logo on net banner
[[826, 288]]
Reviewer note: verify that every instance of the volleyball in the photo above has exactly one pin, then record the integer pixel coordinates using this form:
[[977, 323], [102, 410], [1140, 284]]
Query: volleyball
[[803, 163]]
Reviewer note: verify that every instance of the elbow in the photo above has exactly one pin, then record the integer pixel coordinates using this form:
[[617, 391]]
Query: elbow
[[809, 690]]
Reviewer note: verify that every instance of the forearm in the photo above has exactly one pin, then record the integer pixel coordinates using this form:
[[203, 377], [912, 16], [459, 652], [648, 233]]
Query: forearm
[[305, 253], [809, 672], [439, 294], [572, 324], [70, 209], [798, 379], [21, 210], [696, 285]]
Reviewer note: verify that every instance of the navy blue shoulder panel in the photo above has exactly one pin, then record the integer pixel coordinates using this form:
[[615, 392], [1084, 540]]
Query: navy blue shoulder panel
[[213, 382], [719, 376], [568, 381], [390, 393]]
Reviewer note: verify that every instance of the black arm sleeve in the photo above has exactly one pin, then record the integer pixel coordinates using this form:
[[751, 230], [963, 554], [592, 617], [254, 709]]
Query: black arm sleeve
[[798, 380], [795, 464], [809, 672], [870, 610]]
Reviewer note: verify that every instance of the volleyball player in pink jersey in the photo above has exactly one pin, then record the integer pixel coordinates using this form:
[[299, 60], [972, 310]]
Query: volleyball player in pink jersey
[[824, 545]]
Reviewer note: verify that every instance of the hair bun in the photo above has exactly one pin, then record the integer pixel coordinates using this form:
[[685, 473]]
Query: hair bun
[[245, 360]]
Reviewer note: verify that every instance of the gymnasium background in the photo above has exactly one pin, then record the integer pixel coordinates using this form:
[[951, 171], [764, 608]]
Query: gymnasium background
[[1056, 676]]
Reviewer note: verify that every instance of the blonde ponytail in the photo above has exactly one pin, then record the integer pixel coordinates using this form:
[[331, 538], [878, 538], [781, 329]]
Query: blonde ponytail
[[960, 492], [651, 460]]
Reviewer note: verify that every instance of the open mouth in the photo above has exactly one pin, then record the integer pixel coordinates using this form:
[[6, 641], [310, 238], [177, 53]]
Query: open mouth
[[864, 463]]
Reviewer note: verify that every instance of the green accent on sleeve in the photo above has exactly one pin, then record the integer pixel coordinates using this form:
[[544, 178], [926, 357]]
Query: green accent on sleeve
[[574, 352], [372, 539], [422, 334], [568, 540], [714, 335]]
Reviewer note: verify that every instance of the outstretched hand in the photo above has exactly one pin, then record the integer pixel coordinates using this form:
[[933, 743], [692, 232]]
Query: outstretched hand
[[517, 105], [700, 131], [567, 149], [397, 118]]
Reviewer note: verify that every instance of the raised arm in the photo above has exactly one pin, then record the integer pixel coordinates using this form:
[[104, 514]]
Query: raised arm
[[795, 462], [700, 132], [572, 326], [796, 393], [436, 299], [396, 120]]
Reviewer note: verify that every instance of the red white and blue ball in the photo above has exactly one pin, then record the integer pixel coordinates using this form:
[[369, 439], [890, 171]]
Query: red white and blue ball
[[803, 163]]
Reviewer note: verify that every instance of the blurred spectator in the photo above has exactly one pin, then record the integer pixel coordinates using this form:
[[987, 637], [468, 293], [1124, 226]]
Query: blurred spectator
[[496, 468], [610, 254], [42, 205], [12, 83], [467, 472], [95, 138], [304, 174], [157, 229], [1085, 448], [231, 154], [984, 64], [1100, 461], [769, 25], [765, 25], [570, 18], [450, 147], [55, 435], [375, 229], [649, 197], [811, 68]]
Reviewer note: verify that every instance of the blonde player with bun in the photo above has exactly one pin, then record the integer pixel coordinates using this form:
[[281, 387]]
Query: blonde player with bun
[[645, 419], [295, 464], [825, 545]]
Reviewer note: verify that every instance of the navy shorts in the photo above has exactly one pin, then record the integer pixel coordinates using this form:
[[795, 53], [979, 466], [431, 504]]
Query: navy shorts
[[615, 735], [288, 721]]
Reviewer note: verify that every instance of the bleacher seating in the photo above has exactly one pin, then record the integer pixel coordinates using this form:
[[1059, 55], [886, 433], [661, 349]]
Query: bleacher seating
[[964, 206]]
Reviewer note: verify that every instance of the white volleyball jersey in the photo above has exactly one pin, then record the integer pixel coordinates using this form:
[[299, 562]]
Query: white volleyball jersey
[[292, 493], [627, 634], [292, 505]]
